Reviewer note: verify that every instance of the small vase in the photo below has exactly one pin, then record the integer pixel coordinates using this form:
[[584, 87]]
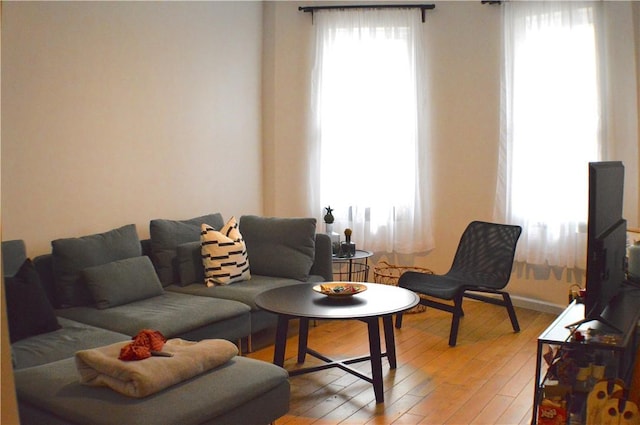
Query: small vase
[[328, 228]]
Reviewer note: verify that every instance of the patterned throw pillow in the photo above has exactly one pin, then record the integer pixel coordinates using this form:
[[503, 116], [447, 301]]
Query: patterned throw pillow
[[224, 255]]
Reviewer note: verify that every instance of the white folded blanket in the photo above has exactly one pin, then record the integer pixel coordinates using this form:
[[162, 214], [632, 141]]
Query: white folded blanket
[[101, 366]]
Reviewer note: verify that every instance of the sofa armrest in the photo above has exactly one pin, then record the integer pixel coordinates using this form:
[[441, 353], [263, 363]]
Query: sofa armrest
[[322, 265]]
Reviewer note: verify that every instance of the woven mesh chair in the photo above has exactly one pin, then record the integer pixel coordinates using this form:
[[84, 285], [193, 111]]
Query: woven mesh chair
[[482, 265]]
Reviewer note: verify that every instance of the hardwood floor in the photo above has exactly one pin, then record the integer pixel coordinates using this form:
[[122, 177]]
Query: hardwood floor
[[486, 379]]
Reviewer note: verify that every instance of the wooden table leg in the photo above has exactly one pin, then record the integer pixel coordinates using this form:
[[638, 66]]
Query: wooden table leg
[[281, 340], [376, 358], [390, 340], [303, 337]]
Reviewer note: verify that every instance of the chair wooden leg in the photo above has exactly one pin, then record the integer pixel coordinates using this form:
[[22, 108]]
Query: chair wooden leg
[[455, 321], [398, 320], [512, 312]]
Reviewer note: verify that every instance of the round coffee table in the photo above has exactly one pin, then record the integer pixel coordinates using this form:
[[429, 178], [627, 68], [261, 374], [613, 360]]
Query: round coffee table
[[302, 302]]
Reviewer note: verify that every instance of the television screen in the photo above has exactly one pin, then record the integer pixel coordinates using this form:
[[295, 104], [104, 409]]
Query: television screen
[[605, 269], [606, 187], [606, 238]]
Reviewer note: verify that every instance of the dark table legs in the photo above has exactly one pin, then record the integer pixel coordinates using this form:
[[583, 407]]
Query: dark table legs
[[390, 340], [376, 358], [375, 351], [281, 340], [303, 337]]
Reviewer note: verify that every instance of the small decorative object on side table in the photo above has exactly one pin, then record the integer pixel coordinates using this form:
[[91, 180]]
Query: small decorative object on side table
[[347, 248], [328, 223], [328, 217]]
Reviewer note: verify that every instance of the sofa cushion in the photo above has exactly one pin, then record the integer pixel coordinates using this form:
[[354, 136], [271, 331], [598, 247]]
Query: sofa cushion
[[28, 309], [282, 247], [190, 265], [123, 281], [244, 292], [175, 315], [72, 255], [61, 343], [166, 235], [224, 255]]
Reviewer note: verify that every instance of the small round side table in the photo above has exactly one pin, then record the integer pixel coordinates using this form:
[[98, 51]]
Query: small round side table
[[352, 269]]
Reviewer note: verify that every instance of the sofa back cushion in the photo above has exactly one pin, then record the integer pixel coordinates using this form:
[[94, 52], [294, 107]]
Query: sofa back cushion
[[190, 265], [167, 235], [123, 281], [72, 255], [280, 247]]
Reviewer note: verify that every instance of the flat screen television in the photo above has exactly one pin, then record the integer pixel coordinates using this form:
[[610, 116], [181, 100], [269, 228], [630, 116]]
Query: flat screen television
[[606, 238]]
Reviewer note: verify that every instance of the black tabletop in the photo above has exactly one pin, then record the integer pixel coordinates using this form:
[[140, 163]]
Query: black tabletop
[[302, 301]]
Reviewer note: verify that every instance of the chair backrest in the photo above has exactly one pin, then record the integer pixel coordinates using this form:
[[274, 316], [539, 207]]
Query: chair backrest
[[485, 254]]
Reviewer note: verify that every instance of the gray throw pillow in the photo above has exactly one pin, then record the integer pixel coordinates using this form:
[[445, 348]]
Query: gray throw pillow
[[166, 235], [121, 282], [279, 247], [190, 263], [72, 255]]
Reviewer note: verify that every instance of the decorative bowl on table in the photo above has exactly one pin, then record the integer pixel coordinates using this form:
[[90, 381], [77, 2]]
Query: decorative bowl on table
[[339, 289]]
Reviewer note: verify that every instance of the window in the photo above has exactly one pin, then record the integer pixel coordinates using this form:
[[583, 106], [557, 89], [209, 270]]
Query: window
[[551, 127], [367, 127]]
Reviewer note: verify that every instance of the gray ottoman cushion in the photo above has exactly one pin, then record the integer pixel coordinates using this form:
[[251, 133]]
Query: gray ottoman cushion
[[257, 392]]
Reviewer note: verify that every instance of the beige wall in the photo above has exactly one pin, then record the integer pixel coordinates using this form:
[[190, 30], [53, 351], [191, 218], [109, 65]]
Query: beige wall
[[8, 404], [121, 112], [636, 20], [285, 99], [463, 42]]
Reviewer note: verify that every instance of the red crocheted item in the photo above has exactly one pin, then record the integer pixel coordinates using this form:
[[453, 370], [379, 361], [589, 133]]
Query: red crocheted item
[[134, 352], [143, 344], [154, 340]]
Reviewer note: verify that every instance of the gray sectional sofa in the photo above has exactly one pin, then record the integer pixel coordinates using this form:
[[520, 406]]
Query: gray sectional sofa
[[105, 288]]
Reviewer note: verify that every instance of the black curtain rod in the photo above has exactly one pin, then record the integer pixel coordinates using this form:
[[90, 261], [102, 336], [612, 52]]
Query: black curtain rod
[[422, 7]]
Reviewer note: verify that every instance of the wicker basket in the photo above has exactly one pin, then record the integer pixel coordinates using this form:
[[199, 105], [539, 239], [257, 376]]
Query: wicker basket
[[388, 274]]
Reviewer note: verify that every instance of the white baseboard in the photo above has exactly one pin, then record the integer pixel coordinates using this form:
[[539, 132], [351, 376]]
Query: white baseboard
[[531, 304], [537, 305]]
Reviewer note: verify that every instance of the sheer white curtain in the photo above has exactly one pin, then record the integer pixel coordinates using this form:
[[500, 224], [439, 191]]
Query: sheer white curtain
[[367, 148], [551, 127]]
